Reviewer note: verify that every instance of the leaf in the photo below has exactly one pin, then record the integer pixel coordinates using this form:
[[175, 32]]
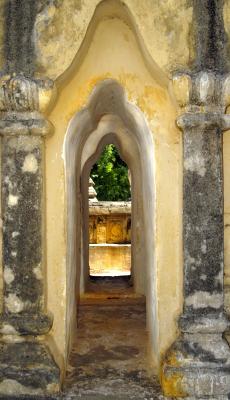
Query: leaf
[[110, 175]]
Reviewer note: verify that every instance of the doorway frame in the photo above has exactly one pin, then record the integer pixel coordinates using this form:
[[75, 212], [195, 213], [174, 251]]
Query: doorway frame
[[110, 118], [107, 139]]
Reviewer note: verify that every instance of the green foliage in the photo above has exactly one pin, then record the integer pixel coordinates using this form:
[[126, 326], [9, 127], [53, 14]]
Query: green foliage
[[110, 175]]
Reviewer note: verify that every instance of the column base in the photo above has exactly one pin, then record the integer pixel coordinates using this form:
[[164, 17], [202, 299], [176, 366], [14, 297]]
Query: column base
[[197, 366], [25, 324], [27, 368]]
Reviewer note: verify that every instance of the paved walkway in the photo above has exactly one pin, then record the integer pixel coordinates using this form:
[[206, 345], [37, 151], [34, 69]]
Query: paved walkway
[[110, 358]]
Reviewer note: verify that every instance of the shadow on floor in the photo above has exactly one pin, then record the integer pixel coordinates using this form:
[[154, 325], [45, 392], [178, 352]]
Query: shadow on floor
[[109, 360], [110, 357]]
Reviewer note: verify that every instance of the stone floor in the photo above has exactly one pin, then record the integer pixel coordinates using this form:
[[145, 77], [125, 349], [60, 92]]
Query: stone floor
[[110, 358]]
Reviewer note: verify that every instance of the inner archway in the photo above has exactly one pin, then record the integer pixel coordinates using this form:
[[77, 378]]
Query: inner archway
[[110, 225], [110, 118]]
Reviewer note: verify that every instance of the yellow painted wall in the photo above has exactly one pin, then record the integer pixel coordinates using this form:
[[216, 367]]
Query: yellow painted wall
[[110, 242], [138, 43], [79, 43], [114, 53], [109, 259], [164, 29], [109, 228]]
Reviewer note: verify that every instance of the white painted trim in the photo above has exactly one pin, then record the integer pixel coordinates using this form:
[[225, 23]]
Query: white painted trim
[[110, 118]]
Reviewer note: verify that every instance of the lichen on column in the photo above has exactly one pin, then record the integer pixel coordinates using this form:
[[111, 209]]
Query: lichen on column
[[198, 363], [24, 316]]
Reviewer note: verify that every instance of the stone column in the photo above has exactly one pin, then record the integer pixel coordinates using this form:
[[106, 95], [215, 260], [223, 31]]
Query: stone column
[[26, 365], [198, 363]]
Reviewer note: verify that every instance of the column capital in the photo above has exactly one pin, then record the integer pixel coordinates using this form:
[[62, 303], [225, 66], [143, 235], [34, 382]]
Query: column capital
[[20, 94], [197, 365], [202, 92], [23, 100], [204, 120]]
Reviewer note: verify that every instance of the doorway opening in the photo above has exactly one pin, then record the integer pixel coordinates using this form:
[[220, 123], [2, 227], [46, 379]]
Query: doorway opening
[[109, 216], [110, 272], [107, 345]]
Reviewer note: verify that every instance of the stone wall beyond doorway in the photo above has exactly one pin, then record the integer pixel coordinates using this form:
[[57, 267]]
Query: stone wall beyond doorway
[[109, 238]]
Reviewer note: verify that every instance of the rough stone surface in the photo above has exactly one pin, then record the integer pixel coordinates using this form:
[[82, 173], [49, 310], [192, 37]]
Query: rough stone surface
[[110, 207], [61, 26], [25, 323], [203, 221], [112, 224], [22, 241], [27, 367], [23, 289], [210, 36], [19, 24], [110, 357], [198, 363]]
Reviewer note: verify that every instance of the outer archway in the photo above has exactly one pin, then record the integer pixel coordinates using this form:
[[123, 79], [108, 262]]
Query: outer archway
[[110, 118]]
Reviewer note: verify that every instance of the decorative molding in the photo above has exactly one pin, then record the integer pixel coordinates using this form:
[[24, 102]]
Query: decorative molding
[[202, 92], [22, 94]]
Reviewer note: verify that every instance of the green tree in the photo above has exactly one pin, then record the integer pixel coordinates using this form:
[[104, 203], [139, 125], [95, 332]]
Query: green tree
[[110, 175]]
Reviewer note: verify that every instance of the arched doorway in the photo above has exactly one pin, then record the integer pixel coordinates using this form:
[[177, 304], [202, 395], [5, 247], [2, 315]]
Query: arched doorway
[[110, 212], [110, 118]]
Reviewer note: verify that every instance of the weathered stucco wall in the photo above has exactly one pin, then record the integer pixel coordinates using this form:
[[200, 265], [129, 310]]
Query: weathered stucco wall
[[114, 53], [138, 43], [62, 25], [157, 25], [110, 227], [109, 259], [80, 43], [109, 238]]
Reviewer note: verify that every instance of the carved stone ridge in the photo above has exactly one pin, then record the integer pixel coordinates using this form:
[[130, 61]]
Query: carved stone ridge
[[27, 124], [202, 92], [21, 94], [26, 324], [204, 120]]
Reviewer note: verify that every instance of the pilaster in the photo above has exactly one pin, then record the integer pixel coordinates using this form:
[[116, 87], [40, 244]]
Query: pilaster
[[26, 364], [198, 363]]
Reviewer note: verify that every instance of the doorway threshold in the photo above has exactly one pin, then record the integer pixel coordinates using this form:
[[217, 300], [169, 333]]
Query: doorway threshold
[[116, 290]]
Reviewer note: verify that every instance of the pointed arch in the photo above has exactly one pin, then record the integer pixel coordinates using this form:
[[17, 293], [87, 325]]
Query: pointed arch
[[110, 118], [113, 9]]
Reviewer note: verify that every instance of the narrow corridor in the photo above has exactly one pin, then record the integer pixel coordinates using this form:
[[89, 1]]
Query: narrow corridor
[[110, 358]]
